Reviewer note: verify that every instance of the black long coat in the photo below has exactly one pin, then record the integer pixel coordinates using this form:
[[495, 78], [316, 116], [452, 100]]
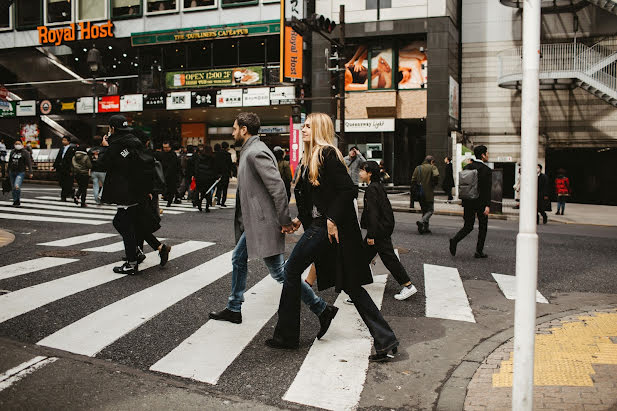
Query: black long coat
[[543, 191], [171, 168], [339, 265]]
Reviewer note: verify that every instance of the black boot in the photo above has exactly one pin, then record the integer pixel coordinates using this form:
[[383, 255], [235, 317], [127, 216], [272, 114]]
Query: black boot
[[227, 315], [325, 319]]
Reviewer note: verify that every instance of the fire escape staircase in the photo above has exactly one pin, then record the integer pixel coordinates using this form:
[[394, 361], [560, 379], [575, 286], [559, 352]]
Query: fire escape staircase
[[566, 6]]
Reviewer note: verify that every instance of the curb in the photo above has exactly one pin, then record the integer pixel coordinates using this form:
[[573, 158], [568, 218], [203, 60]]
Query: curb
[[6, 238], [451, 213], [454, 390]]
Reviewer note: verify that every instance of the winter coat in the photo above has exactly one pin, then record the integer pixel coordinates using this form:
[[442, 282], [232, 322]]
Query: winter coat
[[81, 163], [353, 164], [377, 216], [338, 265], [171, 167], [123, 185], [544, 200], [427, 175], [204, 171], [223, 164], [20, 161], [64, 165], [562, 186], [261, 201], [448, 179], [96, 163]]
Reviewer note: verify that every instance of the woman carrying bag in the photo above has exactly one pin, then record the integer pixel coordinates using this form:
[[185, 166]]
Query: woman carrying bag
[[332, 240]]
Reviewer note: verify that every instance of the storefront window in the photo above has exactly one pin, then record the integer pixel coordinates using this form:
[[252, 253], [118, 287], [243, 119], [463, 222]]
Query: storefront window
[[200, 55], [233, 3], [5, 17], [91, 10], [273, 49], [198, 4], [28, 13], [58, 11], [253, 50], [174, 57], [225, 53], [125, 8], [157, 6]]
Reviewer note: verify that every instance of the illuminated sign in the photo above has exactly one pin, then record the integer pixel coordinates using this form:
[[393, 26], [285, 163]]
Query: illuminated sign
[[108, 104], [229, 98], [132, 102], [26, 108], [87, 31], [293, 54], [218, 77]]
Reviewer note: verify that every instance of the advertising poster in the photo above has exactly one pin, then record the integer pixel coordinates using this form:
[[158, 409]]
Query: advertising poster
[[253, 97], [293, 54], [85, 105], [283, 95], [412, 66], [108, 104], [132, 102], [356, 70], [179, 101], [214, 78], [381, 68], [203, 98], [30, 133], [7, 109], [25, 108], [229, 98], [295, 145]]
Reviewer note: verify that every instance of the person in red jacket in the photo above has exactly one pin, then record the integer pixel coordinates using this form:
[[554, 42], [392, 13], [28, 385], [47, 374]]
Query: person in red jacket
[[562, 189]]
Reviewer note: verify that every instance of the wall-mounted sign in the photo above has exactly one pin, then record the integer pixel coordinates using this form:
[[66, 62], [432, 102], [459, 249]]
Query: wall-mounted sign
[[293, 54], [154, 101], [253, 97], [203, 98], [108, 104], [45, 107], [179, 101], [295, 144], [7, 109], [87, 31], [229, 98], [453, 99], [294, 8], [367, 125], [209, 78], [30, 133], [132, 102], [283, 95], [67, 105], [25, 108], [273, 129], [85, 105], [204, 33]]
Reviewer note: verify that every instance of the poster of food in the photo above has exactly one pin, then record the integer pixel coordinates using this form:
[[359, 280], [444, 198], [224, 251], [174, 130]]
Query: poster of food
[[29, 133], [356, 70], [381, 68], [412, 65], [213, 78]]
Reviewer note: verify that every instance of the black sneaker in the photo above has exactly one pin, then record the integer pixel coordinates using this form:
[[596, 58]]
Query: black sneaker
[[140, 256], [164, 254], [227, 315], [127, 268], [420, 227], [383, 356], [16, 204], [480, 254]]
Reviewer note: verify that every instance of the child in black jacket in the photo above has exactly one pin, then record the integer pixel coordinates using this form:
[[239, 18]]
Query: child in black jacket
[[378, 219]]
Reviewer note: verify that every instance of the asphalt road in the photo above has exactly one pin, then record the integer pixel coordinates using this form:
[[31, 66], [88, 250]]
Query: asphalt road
[[576, 270]]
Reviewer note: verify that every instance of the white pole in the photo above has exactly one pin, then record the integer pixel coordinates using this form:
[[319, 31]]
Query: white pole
[[527, 239]]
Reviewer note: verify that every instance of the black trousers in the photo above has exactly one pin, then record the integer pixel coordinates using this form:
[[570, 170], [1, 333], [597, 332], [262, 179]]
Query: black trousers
[[149, 237], [82, 183], [385, 249], [469, 215], [201, 193], [221, 191], [125, 222], [66, 184]]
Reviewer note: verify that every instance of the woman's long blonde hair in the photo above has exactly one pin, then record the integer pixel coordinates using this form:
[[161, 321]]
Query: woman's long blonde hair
[[322, 136]]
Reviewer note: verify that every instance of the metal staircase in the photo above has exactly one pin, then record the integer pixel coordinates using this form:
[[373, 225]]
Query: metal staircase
[[567, 65], [565, 6]]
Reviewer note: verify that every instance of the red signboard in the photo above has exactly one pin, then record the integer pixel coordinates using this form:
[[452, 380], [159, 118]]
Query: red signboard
[[109, 104]]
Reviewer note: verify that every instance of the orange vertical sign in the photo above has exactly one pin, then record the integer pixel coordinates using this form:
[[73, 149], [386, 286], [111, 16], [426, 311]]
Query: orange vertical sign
[[293, 54]]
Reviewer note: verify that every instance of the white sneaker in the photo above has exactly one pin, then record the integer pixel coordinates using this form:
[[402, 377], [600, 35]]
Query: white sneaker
[[348, 301], [406, 292]]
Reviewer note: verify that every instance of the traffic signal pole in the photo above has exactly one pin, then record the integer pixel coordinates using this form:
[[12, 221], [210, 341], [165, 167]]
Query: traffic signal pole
[[342, 72], [527, 238]]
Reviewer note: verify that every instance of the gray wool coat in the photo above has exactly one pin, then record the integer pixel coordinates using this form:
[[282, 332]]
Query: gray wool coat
[[261, 201]]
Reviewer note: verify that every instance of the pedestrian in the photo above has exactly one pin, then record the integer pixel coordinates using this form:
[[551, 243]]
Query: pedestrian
[[19, 163], [284, 169], [562, 189], [383, 173], [332, 240], [448, 179], [125, 187], [353, 161], [478, 207], [378, 220], [205, 175], [97, 172], [223, 165], [2, 157], [425, 176], [63, 165], [262, 216], [171, 168], [81, 170], [543, 200]]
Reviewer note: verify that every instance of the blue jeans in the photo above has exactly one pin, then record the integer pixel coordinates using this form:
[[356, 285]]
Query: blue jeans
[[561, 203], [98, 176], [17, 178], [276, 266]]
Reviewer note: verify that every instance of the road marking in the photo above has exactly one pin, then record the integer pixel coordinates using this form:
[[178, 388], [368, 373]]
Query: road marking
[[507, 284], [333, 373], [69, 207], [15, 374], [93, 206], [111, 248], [41, 212], [445, 295], [30, 266], [51, 219], [206, 354], [80, 239], [91, 334], [27, 299]]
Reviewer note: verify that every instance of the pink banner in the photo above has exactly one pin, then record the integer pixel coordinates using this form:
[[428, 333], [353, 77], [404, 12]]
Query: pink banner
[[295, 145]]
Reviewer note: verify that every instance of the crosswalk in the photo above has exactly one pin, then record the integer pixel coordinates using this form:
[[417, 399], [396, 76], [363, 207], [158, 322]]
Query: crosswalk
[[333, 372], [48, 208]]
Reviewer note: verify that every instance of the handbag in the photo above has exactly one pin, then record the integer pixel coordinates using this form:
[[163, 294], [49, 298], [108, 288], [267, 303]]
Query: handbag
[[193, 185]]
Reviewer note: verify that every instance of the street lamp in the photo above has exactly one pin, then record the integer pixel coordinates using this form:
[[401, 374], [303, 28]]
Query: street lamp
[[94, 63]]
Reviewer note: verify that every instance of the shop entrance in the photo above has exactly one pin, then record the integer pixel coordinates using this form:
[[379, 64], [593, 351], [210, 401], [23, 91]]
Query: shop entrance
[[509, 176]]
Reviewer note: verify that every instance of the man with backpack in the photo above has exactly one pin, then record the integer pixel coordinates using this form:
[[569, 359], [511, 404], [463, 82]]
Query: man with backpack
[[475, 182], [424, 179]]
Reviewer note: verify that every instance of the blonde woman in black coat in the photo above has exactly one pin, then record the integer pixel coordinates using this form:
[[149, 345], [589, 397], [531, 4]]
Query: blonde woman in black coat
[[332, 240]]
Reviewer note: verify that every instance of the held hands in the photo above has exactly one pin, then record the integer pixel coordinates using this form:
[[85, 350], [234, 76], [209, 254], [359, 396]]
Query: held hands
[[487, 210], [291, 227], [332, 231]]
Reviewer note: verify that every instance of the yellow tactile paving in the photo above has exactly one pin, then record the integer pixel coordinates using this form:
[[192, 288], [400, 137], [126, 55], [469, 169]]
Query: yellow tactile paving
[[566, 355]]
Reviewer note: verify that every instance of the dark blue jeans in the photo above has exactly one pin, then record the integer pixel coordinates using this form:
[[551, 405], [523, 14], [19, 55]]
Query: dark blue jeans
[[311, 244]]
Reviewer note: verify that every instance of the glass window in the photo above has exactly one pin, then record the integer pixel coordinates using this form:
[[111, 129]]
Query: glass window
[[253, 50], [232, 3], [196, 4], [383, 4], [28, 14], [174, 57], [58, 11], [273, 46], [125, 8], [156, 6], [225, 53], [91, 10], [5, 17], [200, 55]]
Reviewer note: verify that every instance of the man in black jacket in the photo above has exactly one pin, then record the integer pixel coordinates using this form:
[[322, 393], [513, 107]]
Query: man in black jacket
[[544, 200], [64, 168], [223, 165], [479, 207], [172, 170]]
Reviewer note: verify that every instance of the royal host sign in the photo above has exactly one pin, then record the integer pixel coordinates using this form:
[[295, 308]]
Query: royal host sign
[[80, 31]]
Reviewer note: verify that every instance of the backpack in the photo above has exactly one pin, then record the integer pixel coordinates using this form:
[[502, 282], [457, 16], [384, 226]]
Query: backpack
[[417, 191], [149, 172], [468, 185]]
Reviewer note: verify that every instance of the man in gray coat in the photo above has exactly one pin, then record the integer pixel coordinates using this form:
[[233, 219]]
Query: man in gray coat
[[353, 161], [262, 218]]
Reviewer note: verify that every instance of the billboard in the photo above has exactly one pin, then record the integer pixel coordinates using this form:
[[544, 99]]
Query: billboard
[[412, 65], [214, 78], [259, 96], [29, 133], [293, 54], [85, 105], [179, 100], [108, 104], [132, 102], [229, 98]]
